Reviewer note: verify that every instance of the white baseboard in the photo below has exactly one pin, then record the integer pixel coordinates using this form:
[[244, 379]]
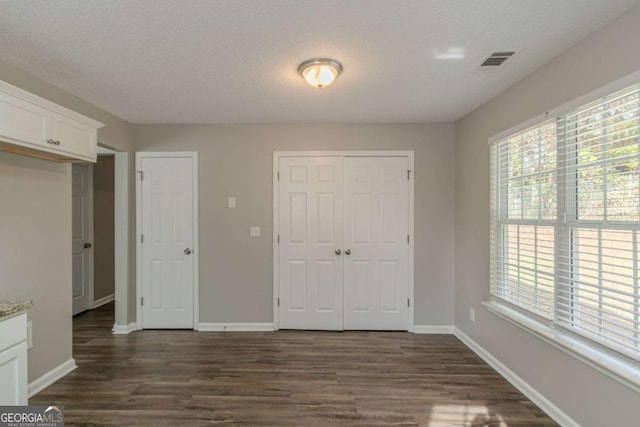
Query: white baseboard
[[532, 394], [433, 329], [235, 327], [105, 300], [51, 377], [124, 329]]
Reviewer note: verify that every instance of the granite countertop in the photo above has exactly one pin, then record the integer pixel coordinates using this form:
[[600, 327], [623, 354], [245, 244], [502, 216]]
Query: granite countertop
[[7, 308]]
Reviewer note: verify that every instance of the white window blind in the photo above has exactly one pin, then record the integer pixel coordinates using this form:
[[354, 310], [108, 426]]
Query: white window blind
[[525, 205], [565, 220], [597, 293]]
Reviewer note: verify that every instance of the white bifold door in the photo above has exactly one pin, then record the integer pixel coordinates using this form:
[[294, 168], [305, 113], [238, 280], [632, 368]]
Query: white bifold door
[[343, 246], [167, 222]]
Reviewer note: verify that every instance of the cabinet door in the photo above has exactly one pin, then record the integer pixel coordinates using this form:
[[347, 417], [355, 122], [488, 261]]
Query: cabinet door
[[24, 122], [75, 138], [13, 375]]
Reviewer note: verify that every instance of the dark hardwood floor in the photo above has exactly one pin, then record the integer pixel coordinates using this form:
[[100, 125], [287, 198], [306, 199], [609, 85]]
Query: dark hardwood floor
[[286, 378]]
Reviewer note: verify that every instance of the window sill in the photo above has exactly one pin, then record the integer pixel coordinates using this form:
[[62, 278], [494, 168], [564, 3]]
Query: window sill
[[614, 367]]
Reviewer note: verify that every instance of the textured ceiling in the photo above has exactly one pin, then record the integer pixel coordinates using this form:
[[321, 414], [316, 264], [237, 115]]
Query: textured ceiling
[[203, 61]]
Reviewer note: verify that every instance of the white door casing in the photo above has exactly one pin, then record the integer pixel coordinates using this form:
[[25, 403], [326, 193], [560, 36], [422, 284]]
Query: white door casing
[[376, 222], [82, 237], [311, 194], [167, 245], [376, 227]]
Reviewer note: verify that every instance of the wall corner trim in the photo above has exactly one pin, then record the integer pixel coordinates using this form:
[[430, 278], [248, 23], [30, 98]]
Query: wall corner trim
[[124, 329], [51, 377], [235, 327], [433, 329], [105, 300], [531, 393]]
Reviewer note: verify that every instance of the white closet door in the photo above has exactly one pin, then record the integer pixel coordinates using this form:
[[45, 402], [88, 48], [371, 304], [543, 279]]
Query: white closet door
[[167, 259], [376, 228], [310, 227]]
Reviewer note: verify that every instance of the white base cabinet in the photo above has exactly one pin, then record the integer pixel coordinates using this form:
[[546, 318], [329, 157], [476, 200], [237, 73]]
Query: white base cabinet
[[36, 127], [13, 360]]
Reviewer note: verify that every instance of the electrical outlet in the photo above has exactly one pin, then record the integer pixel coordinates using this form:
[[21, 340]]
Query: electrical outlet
[[232, 202], [29, 334], [472, 314], [254, 231]]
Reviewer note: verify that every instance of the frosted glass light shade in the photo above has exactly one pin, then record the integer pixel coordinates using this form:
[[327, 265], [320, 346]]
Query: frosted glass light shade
[[320, 72]]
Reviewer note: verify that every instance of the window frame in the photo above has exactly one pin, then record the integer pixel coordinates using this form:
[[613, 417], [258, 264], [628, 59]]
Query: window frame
[[611, 362]]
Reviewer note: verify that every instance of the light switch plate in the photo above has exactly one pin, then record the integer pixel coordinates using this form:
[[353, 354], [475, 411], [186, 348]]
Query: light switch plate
[[232, 202], [254, 231]]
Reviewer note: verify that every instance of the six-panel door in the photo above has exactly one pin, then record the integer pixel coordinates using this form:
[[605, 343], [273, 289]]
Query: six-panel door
[[343, 250], [82, 224], [376, 226], [167, 227], [310, 227]]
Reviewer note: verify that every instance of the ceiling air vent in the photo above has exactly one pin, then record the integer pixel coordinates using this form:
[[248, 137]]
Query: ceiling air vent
[[495, 60]]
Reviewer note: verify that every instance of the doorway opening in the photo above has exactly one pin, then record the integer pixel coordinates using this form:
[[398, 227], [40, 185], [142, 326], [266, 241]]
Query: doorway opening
[[100, 218]]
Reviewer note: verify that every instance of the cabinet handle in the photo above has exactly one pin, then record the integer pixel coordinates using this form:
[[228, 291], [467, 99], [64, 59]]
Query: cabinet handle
[[348, 252], [51, 141], [338, 251], [57, 142]]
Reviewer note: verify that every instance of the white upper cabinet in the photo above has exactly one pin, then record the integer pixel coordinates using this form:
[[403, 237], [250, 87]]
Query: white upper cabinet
[[75, 138], [23, 121], [36, 127]]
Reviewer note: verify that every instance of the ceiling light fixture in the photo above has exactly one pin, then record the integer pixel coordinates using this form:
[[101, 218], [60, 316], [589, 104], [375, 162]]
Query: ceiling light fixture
[[320, 72]]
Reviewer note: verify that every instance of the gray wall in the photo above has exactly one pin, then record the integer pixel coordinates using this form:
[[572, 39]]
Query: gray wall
[[103, 228], [237, 160], [35, 252], [588, 396], [35, 228]]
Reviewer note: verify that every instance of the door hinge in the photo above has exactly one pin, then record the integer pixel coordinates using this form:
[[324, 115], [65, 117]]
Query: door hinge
[[278, 301], [142, 238], [408, 302], [408, 239], [141, 175], [141, 300], [408, 174], [278, 239], [278, 176]]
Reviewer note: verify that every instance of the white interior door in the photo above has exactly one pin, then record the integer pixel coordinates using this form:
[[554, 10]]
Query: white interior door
[[376, 229], [310, 233], [167, 222], [82, 230]]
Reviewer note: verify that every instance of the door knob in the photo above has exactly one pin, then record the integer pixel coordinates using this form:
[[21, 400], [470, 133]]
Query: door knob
[[348, 252], [87, 245], [338, 251], [187, 251]]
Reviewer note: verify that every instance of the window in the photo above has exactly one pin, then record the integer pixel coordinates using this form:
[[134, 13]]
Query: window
[[565, 221]]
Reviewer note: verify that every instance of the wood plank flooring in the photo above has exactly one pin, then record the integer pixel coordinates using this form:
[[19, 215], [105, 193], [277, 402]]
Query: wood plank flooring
[[286, 378]]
